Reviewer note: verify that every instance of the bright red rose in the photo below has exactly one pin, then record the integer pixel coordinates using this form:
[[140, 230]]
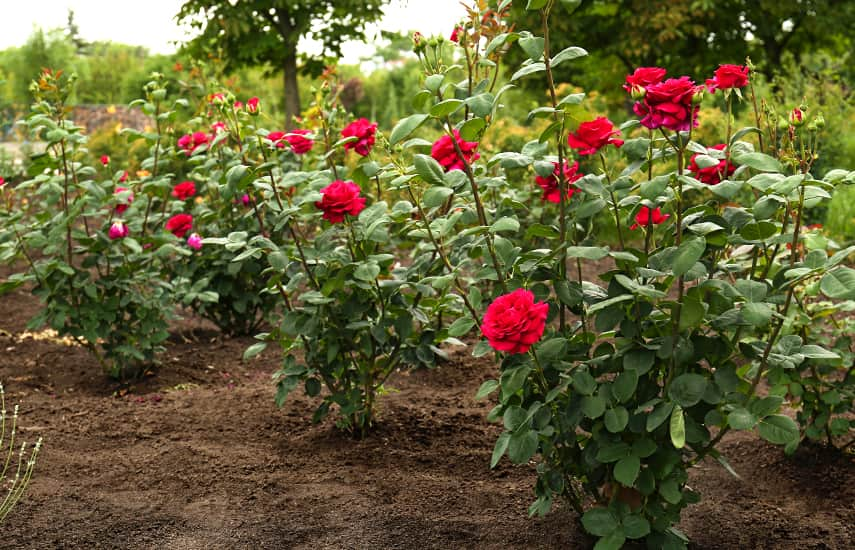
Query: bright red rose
[[105, 160], [593, 135], [363, 131], [514, 322], [125, 198], [191, 142], [550, 184], [727, 77], [278, 139], [252, 105], [184, 190], [179, 224], [340, 198], [2, 181], [669, 105], [445, 154], [711, 175], [647, 217], [455, 34], [643, 77], [299, 143]]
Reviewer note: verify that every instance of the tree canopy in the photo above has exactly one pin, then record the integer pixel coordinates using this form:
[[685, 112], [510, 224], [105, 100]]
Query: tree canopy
[[266, 32]]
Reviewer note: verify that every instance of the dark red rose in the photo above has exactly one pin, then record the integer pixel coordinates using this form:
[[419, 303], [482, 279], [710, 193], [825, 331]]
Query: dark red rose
[[643, 77], [711, 175], [445, 154], [455, 34], [669, 105], [550, 184], [727, 77], [340, 198], [184, 190], [179, 224], [593, 135], [191, 142], [363, 131], [300, 144], [647, 217], [514, 322]]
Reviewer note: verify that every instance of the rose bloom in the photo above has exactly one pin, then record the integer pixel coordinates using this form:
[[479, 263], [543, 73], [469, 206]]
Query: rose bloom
[[300, 144], [593, 135], [179, 224], [190, 142], [340, 198], [514, 322], [644, 77], [218, 127], [194, 241], [364, 131], [252, 105], [126, 201], [184, 190], [550, 184], [237, 105], [727, 77], [278, 139], [455, 34], [445, 154], [712, 175], [2, 181], [669, 105], [105, 160], [646, 217], [245, 199], [118, 231]]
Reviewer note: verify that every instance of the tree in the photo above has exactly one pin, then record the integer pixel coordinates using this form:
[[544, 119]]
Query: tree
[[266, 32]]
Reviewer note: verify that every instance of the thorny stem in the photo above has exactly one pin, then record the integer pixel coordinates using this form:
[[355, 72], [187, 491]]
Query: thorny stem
[[614, 201]]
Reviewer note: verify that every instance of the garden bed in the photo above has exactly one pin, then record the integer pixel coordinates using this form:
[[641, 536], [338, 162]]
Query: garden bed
[[198, 456]]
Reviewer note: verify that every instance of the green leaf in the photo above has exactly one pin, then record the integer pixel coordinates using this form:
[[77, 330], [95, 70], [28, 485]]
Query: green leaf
[[612, 541], [567, 54], [535, 4], [839, 284], [687, 389], [600, 522], [254, 350], [433, 82], [639, 360], [445, 108], [472, 128], [741, 419], [624, 385], [778, 429], [528, 69], [616, 419], [626, 470], [610, 302], [817, 352], [500, 448], [406, 127], [587, 252], [757, 314], [532, 45], [759, 161], [658, 416], [522, 446], [635, 526], [505, 224], [436, 196], [584, 383], [678, 428], [460, 326], [429, 169], [235, 175], [367, 271], [689, 252], [488, 387], [593, 406]]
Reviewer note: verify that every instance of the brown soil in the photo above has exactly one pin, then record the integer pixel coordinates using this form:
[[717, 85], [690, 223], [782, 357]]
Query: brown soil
[[199, 457]]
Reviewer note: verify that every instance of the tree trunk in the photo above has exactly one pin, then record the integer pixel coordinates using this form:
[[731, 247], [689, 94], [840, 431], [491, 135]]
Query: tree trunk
[[292, 92]]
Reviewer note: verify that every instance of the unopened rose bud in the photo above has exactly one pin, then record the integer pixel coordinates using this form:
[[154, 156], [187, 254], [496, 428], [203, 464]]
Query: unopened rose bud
[[118, 230], [698, 96], [159, 94], [194, 241], [637, 92], [797, 117], [819, 121], [252, 106], [432, 42]]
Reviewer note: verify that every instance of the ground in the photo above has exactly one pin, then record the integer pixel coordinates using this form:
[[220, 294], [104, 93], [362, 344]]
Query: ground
[[197, 456]]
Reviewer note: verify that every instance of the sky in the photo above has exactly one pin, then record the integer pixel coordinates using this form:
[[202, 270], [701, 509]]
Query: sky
[[150, 23]]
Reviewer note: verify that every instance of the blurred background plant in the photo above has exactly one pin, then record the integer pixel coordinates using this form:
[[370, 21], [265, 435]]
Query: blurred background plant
[[16, 470]]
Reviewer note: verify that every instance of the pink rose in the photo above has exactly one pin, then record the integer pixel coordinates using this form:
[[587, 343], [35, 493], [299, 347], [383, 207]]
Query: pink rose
[[179, 224], [363, 131], [669, 105], [184, 190], [128, 199], [514, 322], [550, 184], [340, 198], [593, 135], [118, 231], [299, 143], [444, 152], [727, 77], [647, 217], [194, 241], [711, 175]]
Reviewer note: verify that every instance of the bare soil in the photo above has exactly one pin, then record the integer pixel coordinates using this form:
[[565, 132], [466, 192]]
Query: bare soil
[[197, 456]]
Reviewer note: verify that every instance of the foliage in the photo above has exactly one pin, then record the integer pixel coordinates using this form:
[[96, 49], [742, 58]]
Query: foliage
[[22, 467]]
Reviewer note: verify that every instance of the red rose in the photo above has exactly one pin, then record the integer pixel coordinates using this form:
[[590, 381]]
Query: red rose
[[191, 142], [728, 76], [299, 144], [105, 160], [669, 105], [278, 139], [340, 198], [513, 322], [643, 77], [252, 105], [125, 197], [184, 190], [711, 175], [124, 177], [549, 184], [647, 217], [2, 181], [179, 224], [363, 131], [443, 152], [593, 135], [455, 34]]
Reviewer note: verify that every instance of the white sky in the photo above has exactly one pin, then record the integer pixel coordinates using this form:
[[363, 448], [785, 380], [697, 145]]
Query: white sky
[[150, 23]]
